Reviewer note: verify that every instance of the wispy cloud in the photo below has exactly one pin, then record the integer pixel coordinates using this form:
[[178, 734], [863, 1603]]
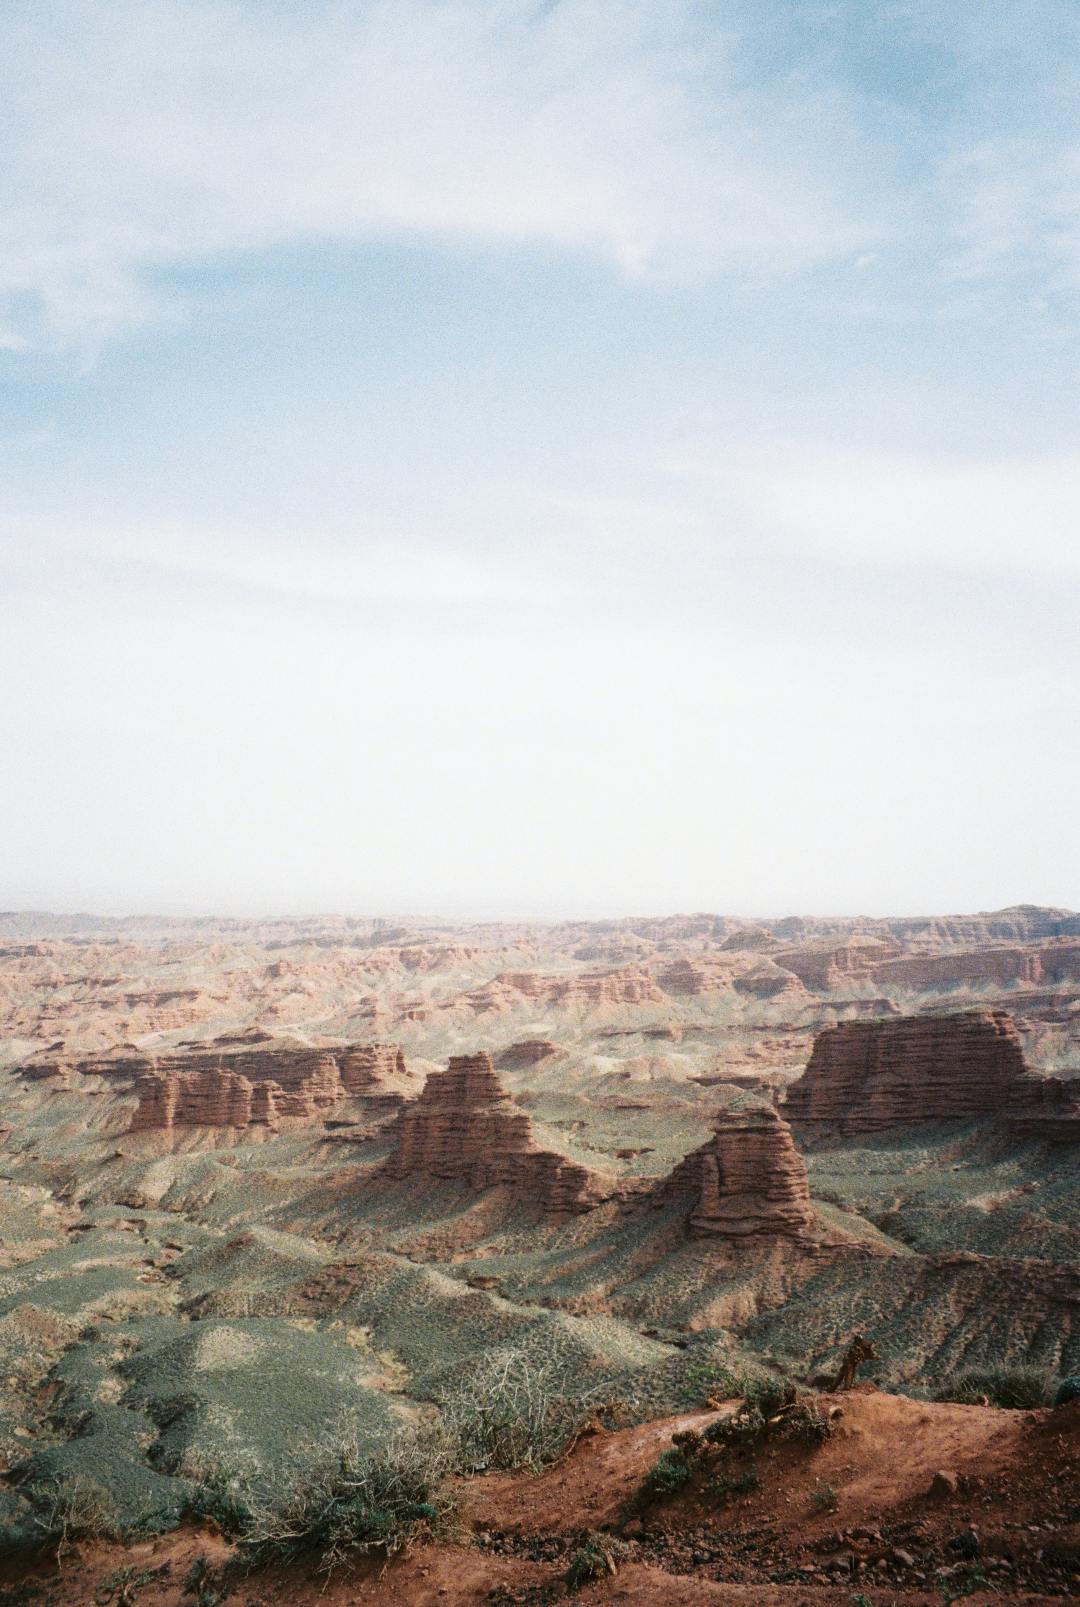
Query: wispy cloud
[[147, 132]]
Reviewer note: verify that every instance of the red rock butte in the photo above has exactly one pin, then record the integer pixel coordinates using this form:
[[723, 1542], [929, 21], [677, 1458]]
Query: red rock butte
[[748, 1180], [260, 1087], [864, 1076], [465, 1127]]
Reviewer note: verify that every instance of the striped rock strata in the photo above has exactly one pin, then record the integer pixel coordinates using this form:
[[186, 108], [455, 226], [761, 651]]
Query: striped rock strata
[[260, 1087], [864, 1076], [749, 1180], [465, 1127]]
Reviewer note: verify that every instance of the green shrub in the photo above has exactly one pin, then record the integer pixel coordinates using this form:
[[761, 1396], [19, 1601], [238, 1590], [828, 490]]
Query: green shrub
[[824, 1498], [356, 1500], [1067, 1390], [703, 1381], [668, 1473], [806, 1421], [725, 1484], [513, 1412], [742, 1427], [597, 1555], [76, 1509], [1018, 1388], [770, 1408], [223, 1500]]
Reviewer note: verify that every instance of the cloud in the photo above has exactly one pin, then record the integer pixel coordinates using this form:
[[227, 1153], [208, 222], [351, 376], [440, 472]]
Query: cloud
[[906, 508], [150, 132]]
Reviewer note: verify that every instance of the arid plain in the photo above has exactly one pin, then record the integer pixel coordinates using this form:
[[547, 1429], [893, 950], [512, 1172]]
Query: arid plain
[[505, 1207]]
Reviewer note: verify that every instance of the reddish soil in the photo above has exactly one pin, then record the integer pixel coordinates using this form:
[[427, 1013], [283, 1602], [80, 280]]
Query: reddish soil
[[1009, 1531]]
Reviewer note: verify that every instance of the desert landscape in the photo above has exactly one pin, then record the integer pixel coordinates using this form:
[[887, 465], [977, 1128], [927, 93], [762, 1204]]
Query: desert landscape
[[417, 1261]]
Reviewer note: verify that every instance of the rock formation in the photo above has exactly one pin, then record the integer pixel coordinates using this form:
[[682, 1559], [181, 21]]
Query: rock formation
[[261, 1087], [867, 1075], [825, 967], [629, 985], [378, 1074], [748, 1180], [466, 1127], [529, 1052], [508, 990], [192, 1099]]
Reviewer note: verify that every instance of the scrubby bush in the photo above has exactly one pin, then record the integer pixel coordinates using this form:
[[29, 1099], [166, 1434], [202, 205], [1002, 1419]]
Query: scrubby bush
[[806, 1421], [725, 1484], [1019, 1388], [771, 1410], [75, 1509], [514, 1412], [824, 1498], [597, 1555], [763, 1398], [1067, 1390], [355, 1500], [222, 1499], [703, 1381], [669, 1473]]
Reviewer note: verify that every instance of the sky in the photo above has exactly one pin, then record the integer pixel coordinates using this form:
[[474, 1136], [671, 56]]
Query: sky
[[539, 457]]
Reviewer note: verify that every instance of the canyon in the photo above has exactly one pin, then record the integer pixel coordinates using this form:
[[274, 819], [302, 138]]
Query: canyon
[[260, 1177]]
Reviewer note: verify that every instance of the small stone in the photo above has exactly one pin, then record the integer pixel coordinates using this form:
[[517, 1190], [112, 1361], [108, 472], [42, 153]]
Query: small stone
[[944, 1485], [902, 1559]]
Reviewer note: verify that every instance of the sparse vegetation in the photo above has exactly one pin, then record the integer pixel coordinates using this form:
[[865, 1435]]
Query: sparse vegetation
[[964, 1583], [515, 1412], [1018, 1388], [597, 1555], [824, 1497], [670, 1471], [75, 1509], [725, 1484], [706, 1381], [223, 1499], [121, 1587], [356, 1500]]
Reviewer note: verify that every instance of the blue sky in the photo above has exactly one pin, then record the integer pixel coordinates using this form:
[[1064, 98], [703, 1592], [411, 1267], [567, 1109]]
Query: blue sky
[[593, 456]]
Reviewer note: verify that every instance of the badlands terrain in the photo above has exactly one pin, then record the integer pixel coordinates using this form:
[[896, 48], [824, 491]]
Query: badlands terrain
[[497, 1211]]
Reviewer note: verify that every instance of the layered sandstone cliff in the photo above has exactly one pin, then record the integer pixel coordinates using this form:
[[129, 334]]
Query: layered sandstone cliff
[[261, 1087], [465, 1127], [753, 975], [867, 1075], [378, 1074], [826, 967], [586, 989], [748, 1180]]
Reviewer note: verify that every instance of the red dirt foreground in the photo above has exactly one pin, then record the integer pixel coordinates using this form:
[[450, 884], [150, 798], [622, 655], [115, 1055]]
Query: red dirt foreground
[[906, 1503]]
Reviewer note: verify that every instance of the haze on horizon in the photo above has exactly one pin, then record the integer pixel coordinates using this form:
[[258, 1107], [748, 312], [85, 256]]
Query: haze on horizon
[[502, 457]]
